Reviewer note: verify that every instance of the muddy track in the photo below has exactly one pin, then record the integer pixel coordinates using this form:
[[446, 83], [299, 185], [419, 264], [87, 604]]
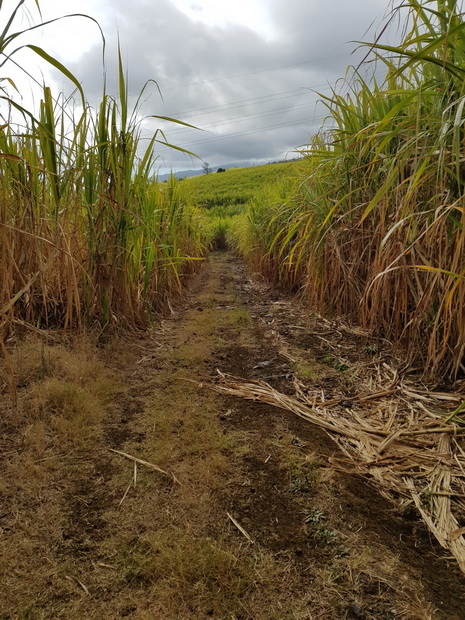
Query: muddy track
[[260, 524]]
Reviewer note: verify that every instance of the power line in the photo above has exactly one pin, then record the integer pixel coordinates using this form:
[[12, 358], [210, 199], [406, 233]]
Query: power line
[[241, 118], [231, 77], [243, 133], [303, 90], [246, 102], [237, 119], [212, 109]]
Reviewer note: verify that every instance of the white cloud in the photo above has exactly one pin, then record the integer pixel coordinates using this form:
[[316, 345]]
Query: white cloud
[[244, 71], [252, 14]]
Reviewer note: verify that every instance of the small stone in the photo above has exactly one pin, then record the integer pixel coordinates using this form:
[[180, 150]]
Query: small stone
[[262, 365], [347, 403], [356, 611]]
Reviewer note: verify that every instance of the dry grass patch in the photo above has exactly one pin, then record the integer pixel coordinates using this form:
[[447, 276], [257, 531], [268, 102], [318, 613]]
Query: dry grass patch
[[181, 422], [371, 584], [63, 392], [191, 574], [63, 389]]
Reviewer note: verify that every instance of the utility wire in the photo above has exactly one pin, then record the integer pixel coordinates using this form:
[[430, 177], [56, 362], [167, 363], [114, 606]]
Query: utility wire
[[235, 119], [243, 133], [303, 90], [231, 105], [231, 120], [245, 102], [231, 77]]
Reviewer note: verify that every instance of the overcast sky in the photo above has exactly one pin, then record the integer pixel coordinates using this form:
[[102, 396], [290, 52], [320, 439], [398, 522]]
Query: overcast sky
[[246, 72]]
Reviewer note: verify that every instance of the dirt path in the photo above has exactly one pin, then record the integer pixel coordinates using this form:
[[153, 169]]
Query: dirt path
[[250, 521]]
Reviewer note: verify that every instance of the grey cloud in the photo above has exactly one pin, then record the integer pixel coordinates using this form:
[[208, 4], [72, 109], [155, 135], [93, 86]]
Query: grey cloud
[[186, 58]]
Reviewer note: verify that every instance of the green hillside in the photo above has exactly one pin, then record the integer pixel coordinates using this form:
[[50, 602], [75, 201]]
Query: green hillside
[[235, 186]]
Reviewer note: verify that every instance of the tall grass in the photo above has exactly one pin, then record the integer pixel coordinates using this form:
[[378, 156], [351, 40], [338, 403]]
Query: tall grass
[[373, 228], [86, 233]]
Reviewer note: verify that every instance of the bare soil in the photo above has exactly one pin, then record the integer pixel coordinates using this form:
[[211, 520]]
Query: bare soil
[[251, 520]]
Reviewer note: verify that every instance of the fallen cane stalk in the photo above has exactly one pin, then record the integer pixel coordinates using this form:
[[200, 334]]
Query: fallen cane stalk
[[240, 528], [423, 461], [146, 463], [74, 580]]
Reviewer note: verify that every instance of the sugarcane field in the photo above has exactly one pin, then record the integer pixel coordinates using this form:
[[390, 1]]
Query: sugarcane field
[[232, 390]]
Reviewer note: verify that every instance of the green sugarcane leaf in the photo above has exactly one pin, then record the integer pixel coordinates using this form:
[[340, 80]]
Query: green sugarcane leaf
[[58, 65]]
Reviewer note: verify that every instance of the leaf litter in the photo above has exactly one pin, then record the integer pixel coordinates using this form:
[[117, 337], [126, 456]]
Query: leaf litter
[[393, 430]]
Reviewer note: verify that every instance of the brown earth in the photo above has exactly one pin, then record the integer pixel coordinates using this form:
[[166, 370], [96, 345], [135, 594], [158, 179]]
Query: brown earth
[[250, 519]]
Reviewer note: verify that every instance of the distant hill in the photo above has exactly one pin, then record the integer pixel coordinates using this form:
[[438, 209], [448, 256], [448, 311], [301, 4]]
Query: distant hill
[[236, 186], [183, 174]]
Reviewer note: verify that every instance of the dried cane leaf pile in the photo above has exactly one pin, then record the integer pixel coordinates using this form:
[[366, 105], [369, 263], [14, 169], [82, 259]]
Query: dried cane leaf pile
[[392, 431]]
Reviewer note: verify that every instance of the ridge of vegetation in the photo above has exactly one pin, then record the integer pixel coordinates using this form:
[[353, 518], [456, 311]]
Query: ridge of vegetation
[[372, 226], [235, 186], [86, 235]]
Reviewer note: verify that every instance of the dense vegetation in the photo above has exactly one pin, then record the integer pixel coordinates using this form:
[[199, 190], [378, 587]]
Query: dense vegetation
[[373, 228], [369, 224], [86, 234], [222, 197], [236, 186]]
